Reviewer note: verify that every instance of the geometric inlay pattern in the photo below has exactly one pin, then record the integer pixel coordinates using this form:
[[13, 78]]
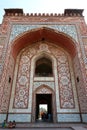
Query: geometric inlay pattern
[[50, 84], [43, 90], [67, 29]]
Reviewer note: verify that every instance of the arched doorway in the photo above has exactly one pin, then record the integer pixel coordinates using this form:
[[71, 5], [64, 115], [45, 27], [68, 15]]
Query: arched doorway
[[44, 107], [44, 102]]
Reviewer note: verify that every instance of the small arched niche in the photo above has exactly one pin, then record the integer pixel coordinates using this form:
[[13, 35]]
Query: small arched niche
[[43, 67]]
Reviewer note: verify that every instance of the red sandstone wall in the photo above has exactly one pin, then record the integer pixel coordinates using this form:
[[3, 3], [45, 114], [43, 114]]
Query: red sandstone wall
[[40, 19], [5, 31]]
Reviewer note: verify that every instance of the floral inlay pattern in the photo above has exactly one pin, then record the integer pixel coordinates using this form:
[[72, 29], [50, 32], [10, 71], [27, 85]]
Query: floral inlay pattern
[[22, 84], [65, 83], [63, 75]]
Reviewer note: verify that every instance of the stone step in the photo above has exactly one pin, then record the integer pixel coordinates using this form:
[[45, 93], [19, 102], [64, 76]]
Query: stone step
[[49, 125]]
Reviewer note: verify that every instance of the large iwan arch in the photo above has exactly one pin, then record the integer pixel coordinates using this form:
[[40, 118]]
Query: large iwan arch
[[40, 34], [61, 49], [42, 53]]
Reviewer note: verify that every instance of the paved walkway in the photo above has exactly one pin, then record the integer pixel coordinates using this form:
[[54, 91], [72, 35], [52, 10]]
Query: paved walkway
[[49, 126]]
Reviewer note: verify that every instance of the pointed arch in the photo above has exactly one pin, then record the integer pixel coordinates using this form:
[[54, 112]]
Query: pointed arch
[[41, 55], [43, 67], [48, 34], [44, 89]]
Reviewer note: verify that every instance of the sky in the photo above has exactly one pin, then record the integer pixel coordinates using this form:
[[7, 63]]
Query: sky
[[43, 6]]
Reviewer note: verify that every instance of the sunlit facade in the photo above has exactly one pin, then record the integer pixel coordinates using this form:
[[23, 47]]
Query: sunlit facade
[[43, 62]]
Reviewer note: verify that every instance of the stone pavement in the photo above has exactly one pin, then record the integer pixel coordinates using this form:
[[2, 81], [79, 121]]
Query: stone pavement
[[49, 126]]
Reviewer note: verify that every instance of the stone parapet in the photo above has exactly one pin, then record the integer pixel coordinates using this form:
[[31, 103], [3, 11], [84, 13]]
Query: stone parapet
[[67, 12]]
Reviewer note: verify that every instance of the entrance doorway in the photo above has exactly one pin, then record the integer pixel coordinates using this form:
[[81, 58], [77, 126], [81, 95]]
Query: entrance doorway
[[44, 107]]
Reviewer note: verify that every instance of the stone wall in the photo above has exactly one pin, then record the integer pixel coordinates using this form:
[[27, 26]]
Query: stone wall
[[63, 81], [73, 86]]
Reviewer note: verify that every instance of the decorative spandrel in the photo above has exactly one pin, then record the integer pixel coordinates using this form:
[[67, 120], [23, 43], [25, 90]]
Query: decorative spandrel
[[67, 29]]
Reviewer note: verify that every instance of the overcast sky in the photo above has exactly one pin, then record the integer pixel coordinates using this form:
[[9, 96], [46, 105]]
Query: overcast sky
[[43, 6]]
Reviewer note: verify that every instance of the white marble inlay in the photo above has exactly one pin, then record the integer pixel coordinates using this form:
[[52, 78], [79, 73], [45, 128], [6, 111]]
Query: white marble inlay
[[67, 29], [19, 117], [68, 117]]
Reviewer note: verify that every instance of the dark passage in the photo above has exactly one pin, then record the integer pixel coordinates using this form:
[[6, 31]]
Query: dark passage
[[44, 107]]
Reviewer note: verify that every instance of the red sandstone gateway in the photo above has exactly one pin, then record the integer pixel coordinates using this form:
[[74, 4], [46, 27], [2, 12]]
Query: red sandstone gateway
[[43, 67]]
